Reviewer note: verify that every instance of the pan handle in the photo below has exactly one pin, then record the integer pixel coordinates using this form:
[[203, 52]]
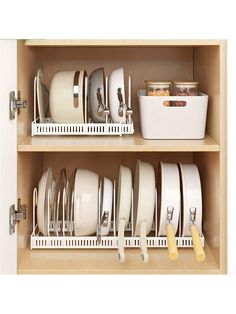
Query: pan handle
[[172, 247], [143, 241], [121, 240], [197, 245]]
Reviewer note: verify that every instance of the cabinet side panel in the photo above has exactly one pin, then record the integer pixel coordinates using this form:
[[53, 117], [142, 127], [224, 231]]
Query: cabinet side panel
[[207, 73], [209, 166], [29, 171], [8, 144], [26, 70]]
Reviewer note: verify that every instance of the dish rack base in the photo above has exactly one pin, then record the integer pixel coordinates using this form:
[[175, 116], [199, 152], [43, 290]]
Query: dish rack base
[[108, 242], [81, 128], [67, 240]]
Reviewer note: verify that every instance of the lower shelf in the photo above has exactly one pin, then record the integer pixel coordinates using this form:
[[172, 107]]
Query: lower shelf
[[90, 261]]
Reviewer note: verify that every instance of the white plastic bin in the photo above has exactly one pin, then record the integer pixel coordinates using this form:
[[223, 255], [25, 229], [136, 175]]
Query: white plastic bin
[[161, 122]]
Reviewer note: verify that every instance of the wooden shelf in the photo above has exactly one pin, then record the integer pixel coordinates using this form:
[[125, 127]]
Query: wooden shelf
[[119, 42], [106, 262], [130, 143]]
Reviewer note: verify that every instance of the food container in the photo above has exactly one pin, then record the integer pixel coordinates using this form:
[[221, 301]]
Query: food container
[[184, 89], [158, 89], [159, 121]]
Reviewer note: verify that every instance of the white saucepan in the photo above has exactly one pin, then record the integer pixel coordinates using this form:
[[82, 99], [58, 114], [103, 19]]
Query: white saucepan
[[86, 202], [67, 97]]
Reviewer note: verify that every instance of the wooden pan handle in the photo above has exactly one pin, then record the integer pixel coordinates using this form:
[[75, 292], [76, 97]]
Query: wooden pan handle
[[197, 245], [172, 247]]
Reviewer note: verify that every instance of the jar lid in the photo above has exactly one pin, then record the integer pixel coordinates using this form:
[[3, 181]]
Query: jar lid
[[185, 83], [158, 82]]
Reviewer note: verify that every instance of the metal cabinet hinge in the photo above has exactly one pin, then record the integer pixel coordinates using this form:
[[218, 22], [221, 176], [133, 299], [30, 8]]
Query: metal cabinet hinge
[[16, 215], [15, 104]]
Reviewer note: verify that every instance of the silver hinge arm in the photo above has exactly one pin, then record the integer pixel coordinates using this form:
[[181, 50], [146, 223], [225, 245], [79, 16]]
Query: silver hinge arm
[[15, 104], [16, 215]]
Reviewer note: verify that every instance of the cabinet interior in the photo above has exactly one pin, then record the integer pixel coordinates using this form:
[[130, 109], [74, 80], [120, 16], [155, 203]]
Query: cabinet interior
[[154, 63], [107, 164], [200, 63]]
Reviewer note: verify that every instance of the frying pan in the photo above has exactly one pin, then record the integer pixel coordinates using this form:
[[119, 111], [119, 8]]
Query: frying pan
[[144, 203], [192, 207], [124, 199], [170, 203]]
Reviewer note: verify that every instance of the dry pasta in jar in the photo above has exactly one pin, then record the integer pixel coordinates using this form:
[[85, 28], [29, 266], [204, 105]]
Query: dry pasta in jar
[[154, 88]]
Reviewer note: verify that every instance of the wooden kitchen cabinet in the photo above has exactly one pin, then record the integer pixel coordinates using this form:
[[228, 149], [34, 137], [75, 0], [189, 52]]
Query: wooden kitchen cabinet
[[24, 158]]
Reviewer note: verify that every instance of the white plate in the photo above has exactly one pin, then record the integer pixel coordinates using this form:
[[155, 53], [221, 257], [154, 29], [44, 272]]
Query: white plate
[[116, 81], [144, 196], [170, 196], [43, 213], [42, 98], [70, 203], [106, 204], [86, 202], [96, 82], [192, 197], [124, 195]]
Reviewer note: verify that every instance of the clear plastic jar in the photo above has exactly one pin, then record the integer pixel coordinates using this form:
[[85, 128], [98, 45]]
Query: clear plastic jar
[[185, 88], [154, 88]]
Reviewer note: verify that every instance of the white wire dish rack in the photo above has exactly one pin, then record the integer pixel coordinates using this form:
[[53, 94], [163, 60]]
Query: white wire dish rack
[[48, 127], [61, 233]]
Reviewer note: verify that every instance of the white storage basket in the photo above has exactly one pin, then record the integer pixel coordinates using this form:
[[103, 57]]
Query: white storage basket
[[161, 122]]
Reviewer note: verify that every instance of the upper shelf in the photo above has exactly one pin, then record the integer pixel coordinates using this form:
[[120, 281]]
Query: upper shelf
[[119, 42], [126, 143]]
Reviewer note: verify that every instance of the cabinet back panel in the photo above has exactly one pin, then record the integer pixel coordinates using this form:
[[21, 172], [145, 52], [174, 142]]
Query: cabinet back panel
[[107, 164], [146, 63]]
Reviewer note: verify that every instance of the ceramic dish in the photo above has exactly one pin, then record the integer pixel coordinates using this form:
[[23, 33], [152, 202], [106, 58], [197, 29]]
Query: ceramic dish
[[116, 86], [86, 202], [144, 203], [70, 203], [106, 206], [96, 95], [169, 196], [67, 97], [124, 199], [43, 208], [42, 96]]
